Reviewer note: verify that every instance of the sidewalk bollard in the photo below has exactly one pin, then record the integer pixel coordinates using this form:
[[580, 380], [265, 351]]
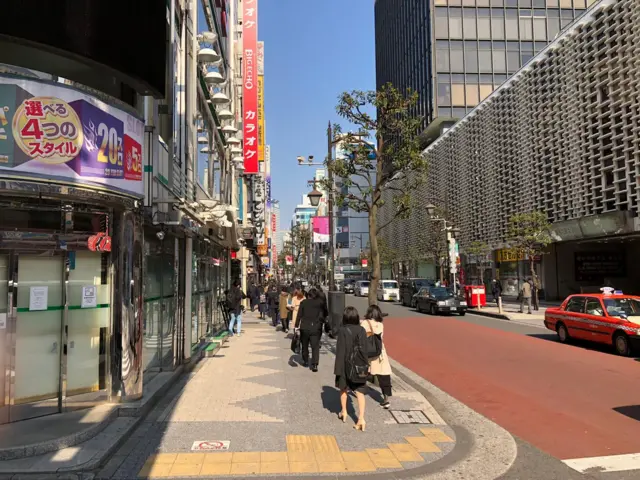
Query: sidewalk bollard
[[499, 304]]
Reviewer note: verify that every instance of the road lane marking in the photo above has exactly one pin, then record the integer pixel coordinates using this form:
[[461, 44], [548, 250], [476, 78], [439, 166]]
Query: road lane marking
[[609, 463]]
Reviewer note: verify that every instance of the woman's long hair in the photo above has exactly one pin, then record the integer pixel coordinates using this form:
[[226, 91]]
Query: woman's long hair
[[374, 313]]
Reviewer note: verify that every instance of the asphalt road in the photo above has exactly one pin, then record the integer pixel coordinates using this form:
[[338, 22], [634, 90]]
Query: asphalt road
[[558, 401]]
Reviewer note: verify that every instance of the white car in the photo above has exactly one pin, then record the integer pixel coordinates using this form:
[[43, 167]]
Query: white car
[[362, 288], [388, 291]]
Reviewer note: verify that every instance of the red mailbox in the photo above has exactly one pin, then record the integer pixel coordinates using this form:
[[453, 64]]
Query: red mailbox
[[475, 295]]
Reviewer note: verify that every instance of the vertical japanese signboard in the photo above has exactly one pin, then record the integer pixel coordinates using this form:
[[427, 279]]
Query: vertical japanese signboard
[[261, 131], [250, 86], [274, 232], [261, 120]]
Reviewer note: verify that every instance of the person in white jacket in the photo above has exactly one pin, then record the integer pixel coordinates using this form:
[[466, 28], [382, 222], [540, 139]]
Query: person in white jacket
[[380, 366]]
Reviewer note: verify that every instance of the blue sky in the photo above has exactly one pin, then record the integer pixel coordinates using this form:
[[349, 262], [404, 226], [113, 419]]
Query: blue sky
[[314, 50]]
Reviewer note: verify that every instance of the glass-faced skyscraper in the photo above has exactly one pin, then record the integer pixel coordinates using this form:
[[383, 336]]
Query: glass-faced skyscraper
[[455, 52]]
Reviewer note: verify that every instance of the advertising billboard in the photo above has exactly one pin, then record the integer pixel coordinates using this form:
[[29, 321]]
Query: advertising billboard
[[320, 229], [250, 88], [51, 132]]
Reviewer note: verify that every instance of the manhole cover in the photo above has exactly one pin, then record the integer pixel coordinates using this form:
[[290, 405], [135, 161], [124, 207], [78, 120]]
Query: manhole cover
[[410, 416]]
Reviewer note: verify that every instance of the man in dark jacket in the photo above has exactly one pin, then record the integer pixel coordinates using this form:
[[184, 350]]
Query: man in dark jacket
[[254, 296], [273, 299], [311, 317], [234, 301]]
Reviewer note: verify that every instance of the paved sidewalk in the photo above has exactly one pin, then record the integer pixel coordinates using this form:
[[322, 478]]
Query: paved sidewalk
[[279, 418], [511, 311]]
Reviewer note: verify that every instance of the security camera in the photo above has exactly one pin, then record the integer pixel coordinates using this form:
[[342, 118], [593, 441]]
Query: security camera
[[300, 160], [310, 158], [160, 235]]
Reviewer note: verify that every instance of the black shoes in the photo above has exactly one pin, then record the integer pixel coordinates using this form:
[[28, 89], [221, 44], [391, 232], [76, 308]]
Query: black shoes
[[314, 368], [305, 364]]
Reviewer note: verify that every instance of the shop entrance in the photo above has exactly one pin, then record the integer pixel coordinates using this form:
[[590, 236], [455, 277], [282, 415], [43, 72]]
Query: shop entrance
[[54, 311]]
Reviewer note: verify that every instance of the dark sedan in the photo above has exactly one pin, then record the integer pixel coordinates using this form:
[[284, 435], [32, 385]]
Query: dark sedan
[[349, 286], [439, 300]]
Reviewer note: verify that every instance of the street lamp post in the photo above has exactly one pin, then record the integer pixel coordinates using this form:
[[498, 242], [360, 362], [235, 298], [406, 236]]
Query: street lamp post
[[452, 232]]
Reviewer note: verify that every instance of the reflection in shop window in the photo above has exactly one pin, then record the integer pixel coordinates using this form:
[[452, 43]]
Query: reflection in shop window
[[469, 24], [484, 24], [442, 24], [513, 62], [499, 61], [497, 24], [471, 58], [442, 60], [457, 95], [444, 94], [539, 28], [457, 58], [526, 28], [472, 97], [485, 91], [455, 23], [511, 26]]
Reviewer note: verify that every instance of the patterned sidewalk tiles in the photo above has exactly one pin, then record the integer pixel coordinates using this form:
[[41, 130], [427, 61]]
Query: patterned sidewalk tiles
[[279, 419]]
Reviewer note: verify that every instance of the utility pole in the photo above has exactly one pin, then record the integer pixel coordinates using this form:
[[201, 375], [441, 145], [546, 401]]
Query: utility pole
[[330, 263]]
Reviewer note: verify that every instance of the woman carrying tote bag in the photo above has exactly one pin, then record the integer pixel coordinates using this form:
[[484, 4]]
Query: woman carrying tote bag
[[380, 366]]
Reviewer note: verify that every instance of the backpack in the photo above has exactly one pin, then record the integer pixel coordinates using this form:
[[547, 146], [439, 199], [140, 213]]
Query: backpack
[[357, 368], [231, 299], [374, 343]]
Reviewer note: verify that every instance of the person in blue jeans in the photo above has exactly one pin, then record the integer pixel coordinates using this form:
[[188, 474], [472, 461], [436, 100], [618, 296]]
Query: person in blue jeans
[[234, 302]]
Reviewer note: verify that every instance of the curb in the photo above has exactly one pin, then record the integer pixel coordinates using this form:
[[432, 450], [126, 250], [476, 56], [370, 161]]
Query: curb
[[488, 450], [483, 313]]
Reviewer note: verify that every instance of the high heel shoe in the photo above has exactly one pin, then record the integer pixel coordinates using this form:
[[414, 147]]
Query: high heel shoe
[[362, 426], [343, 416]]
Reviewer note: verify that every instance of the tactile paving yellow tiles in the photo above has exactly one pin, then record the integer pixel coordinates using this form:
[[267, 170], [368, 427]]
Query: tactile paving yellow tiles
[[305, 454]]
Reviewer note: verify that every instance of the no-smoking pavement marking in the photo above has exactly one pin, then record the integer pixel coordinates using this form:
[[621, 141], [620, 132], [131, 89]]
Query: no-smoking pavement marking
[[210, 445]]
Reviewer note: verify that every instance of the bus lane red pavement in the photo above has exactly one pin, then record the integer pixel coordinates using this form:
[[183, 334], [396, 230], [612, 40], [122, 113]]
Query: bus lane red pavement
[[557, 397]]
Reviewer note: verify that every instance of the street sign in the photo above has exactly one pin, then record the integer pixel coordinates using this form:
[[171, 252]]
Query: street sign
[[210, 445]]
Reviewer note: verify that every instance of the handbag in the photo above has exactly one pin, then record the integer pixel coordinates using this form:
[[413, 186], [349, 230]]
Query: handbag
[[374, 343], [357, 364], [295, 342]]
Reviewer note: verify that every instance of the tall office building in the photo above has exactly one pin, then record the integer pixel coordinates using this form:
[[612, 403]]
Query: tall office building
[[454, 53]]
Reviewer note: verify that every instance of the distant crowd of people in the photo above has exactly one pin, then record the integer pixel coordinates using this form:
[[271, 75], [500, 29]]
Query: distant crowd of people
[[360, 351]]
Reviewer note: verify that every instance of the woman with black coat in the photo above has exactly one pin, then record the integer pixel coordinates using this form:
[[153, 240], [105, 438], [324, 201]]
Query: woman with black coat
[[350, 336], [311, 317]]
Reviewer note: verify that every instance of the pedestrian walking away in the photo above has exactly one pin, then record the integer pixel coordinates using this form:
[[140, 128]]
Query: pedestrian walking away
[[352, 365], [273, 300], [254, 296], [496, 289], [283, 308], [525, 296], [262, 306], [296, 300], [234, 302], [380, 366], [310, 321]]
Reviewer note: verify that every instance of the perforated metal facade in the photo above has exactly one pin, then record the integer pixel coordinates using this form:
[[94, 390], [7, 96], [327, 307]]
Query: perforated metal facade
[[561, 136]]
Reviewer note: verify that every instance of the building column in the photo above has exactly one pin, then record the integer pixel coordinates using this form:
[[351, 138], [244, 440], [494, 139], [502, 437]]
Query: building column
[[188, 289], [126, 328]]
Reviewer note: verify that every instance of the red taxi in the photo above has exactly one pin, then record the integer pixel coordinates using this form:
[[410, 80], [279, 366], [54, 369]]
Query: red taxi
[[613, 319]]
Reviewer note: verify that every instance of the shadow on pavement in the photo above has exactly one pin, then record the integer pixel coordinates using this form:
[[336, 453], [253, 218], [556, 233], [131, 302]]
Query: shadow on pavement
[[631, 411], [578, 343]]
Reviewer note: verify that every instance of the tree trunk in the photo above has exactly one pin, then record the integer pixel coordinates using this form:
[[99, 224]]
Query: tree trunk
[[534, 277], [375, 255]]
